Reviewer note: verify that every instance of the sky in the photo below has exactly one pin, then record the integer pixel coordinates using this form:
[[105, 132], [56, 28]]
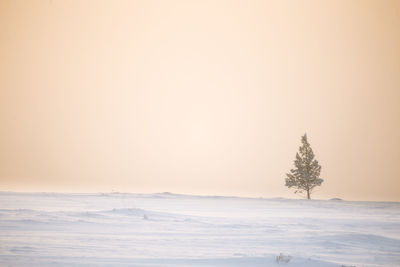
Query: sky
[[199, 97]]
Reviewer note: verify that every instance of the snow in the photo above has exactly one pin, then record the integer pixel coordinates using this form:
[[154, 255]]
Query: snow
[[116, 229]]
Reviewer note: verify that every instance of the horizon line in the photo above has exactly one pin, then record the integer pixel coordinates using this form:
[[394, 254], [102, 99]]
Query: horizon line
[[190, 195]]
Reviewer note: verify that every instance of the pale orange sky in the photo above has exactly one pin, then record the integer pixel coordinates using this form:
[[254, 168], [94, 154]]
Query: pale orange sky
[[199, 97]]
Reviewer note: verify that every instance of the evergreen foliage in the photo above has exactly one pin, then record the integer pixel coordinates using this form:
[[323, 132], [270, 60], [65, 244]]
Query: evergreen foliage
[[306, 174]]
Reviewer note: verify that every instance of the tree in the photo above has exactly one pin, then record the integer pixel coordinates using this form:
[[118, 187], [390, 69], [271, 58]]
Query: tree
[[306, 174]]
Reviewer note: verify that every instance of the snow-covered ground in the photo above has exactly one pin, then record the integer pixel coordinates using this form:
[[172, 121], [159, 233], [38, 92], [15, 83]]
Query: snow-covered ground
[[45, 229]]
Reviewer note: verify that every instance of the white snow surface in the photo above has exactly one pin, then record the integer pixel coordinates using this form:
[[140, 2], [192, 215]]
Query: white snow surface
[[118, 229]]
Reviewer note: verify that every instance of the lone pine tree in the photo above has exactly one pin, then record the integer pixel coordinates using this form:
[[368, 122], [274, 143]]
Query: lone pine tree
[[306, 174]]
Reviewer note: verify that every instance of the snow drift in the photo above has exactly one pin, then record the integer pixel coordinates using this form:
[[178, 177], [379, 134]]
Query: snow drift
[[47, 229]]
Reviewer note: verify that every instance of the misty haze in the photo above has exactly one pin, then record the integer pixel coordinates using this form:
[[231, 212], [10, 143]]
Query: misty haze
[[199, 133]]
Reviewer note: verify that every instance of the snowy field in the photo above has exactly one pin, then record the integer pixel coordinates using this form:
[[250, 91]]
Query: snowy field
[[46, 229]]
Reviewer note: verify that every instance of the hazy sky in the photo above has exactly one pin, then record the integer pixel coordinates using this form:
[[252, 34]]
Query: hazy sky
[[199, 97]]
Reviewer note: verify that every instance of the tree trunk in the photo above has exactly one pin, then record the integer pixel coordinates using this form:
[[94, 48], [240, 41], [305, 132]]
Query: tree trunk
[[308, 194]]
